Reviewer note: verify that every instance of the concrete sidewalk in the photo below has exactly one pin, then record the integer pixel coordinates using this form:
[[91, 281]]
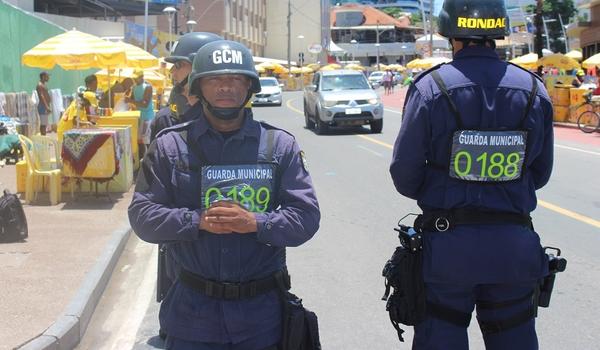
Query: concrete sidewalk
[[51, 280]]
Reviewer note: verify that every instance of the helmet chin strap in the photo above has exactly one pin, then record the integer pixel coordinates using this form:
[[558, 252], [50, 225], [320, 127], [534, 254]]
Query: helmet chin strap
[[229, 113]]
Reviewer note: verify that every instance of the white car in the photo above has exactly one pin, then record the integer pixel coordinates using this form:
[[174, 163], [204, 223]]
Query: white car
[[376, 79], [270, 93]]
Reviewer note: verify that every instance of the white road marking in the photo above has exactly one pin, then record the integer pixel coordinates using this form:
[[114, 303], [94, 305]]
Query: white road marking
[[577, 149], [370, 151]]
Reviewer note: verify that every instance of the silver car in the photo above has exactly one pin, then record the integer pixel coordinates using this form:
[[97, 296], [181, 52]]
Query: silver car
[[341, 98], [270, 93]]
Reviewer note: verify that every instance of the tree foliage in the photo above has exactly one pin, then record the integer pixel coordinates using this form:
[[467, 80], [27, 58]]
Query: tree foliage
[[551, 11]]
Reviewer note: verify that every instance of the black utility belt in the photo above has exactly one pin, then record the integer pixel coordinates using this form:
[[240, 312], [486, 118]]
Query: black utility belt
[[441, 221], [235, 291]]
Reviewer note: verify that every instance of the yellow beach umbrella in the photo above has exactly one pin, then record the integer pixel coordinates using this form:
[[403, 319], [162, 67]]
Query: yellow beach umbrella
[[528, 61], [138, 58], [396, 67], [278, 68], [295, 70], [575, 54], [74, 50], [259, 69], [429, 62], [334, 66], [267, 65], [150, 75], [327, 68], [413, 64], [314, 66], [306, 70], [381, 66], [592, 61], [559, 61]]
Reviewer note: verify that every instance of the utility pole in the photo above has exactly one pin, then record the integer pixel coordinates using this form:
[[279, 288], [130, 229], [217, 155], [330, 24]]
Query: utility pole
[[289, 37], [146, 26], [423, 17], [431, 28], [539, 23]]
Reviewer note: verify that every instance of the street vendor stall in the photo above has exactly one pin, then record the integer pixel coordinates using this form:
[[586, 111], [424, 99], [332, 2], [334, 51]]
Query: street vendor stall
[[131, 119], [97, 156]]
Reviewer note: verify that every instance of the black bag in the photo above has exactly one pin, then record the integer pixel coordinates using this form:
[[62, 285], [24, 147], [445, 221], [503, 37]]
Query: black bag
[[404, 273], [13, 223], [300, 325]]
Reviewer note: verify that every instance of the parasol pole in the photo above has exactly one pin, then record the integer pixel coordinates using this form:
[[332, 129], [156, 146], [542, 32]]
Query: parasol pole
[[109, 88]]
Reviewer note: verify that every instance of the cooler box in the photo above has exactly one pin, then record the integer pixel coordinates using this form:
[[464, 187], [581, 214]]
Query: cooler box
[[561, 113], [561, 96]]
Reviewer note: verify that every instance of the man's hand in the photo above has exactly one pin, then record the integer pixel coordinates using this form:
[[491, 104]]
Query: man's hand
[[225, 217]]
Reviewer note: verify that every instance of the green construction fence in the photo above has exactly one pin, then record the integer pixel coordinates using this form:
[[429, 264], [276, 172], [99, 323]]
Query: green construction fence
[[19, 32]]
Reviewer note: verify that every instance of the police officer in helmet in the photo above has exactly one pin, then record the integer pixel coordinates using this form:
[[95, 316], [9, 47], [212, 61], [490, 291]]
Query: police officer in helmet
[[476, 143], [180, 100], [228, 194]]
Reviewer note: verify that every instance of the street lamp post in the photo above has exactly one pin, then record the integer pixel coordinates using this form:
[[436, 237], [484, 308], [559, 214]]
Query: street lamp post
[[546, 31], [170, 11], [191, 24], [377, 45], [562, 26]]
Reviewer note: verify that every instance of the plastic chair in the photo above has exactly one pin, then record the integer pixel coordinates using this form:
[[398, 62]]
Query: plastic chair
[[42, 162]]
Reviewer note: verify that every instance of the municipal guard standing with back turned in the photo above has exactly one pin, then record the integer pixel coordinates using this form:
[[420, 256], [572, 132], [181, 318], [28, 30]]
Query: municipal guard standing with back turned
[[228, 194], [476, 142]]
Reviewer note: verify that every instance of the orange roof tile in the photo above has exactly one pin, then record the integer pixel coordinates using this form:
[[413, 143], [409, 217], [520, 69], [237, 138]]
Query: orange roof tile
[[372, 15]]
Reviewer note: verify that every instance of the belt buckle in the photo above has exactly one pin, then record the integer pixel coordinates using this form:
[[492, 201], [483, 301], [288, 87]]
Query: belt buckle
[[442, 224], [231, 291]]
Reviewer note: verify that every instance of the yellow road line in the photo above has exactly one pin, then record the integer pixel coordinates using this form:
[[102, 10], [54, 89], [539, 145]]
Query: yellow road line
[[381, 143], [573, 215], [289, 105]]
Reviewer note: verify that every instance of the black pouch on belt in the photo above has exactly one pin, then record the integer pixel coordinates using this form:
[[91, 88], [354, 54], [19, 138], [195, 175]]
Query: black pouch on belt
[[403, 273], [300, 325]]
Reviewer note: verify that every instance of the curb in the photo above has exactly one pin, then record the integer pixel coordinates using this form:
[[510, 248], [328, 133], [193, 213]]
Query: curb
[[68, 329], [566, 125]]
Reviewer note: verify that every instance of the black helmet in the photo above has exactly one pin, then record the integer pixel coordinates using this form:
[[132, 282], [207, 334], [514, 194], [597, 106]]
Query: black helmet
[[474, 19], [187, 46], [220, 58]]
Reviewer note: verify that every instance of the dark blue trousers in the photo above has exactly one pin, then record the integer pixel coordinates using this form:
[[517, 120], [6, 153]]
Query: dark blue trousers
[[436, 334], [252, 344]]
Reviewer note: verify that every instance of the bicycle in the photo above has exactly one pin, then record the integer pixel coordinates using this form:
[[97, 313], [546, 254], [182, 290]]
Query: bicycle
[[589, 121]]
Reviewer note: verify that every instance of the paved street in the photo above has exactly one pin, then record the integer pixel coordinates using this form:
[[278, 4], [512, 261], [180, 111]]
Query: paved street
[[338, 273]]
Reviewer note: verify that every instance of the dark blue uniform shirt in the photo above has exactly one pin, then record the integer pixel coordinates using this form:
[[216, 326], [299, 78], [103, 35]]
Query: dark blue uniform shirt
[[489, 94], [166, 209]]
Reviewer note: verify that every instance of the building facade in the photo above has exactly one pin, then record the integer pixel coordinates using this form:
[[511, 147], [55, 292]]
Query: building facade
[[590, 35], [308, 30], [412, 6], [239, 20], [368, 35]]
